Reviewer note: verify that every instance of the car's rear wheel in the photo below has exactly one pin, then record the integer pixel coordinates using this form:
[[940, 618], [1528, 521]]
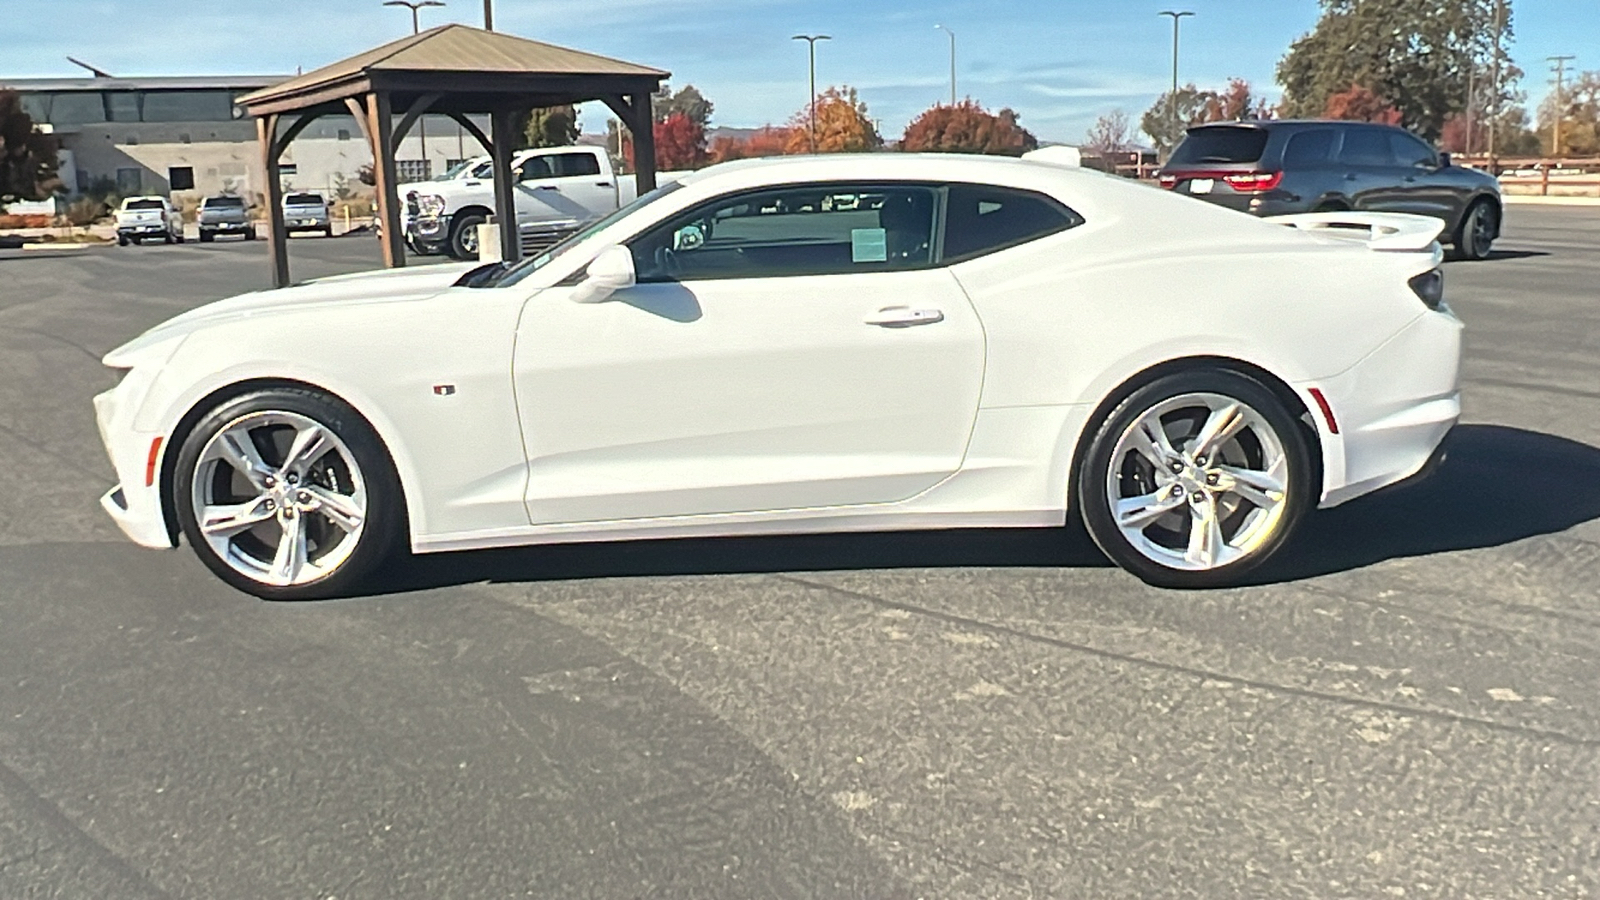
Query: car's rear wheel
[[464, 236], [1195, 479], [122, 240], [206, 237], [288, 494], [1477, 231]]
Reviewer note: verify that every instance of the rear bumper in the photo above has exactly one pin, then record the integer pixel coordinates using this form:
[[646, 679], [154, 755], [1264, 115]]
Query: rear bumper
[[1393, 409]]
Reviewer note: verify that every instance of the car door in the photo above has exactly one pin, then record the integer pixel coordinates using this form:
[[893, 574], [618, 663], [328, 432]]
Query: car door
[[1425, 188], [579, 178], [784, 349], [1369, 171]]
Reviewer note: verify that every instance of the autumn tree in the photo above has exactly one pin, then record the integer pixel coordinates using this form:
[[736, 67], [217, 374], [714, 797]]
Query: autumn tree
[[1360, 104], [842, 125], [771, 140], [686, 100], [27, 156], [1579, 111], [555, 126], [1416, 54], [1109, 134], [680, 143], [967, 127]]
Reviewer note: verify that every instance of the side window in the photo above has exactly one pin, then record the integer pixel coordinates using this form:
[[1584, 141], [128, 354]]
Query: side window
[[1408, 151], [811, 230], [534, 168], [981, 219], [486, 170], [1308, 148], [1366, 147], [573, 165]]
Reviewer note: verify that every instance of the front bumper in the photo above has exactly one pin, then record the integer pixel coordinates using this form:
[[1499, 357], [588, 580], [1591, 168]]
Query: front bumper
[[431, 232], [1394, 409], [135, 502]]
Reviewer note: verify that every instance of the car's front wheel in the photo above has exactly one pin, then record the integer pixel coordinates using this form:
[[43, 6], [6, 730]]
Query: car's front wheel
[[463, 243], [288, 494], [1195, 479], [1477, 232]]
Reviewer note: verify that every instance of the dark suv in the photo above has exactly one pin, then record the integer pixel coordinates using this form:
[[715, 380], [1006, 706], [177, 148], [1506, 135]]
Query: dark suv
[[1271, 168]]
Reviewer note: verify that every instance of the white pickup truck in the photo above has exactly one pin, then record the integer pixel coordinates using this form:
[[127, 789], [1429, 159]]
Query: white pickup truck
[[558, 190], [141, 218]]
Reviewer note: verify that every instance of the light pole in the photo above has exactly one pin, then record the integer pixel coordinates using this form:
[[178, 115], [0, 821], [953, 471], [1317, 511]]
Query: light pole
[[488, 15], [1494, 80], [811, 43], [416, 26], [413, 5], [1561, 72], [1172, 98], [952, 61]]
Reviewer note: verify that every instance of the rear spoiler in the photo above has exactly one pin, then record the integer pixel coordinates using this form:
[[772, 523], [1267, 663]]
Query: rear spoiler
[[1379, 231]]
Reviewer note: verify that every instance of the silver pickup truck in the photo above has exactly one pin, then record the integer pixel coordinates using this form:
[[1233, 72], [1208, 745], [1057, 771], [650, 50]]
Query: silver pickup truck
[[224, 215], [306, 212]]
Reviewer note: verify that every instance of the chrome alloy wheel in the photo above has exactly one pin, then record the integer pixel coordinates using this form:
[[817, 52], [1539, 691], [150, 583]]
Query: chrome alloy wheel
[[279, 498], [1198, 481]]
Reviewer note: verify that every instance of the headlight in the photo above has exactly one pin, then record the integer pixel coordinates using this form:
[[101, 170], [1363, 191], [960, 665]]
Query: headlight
[[430, 205], [1429, 286]]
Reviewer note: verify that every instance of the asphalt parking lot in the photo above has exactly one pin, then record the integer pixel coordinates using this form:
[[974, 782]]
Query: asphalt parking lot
[[1405, 706]]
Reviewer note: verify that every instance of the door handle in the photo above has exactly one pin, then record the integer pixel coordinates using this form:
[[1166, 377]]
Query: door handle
[[1350, 176], [547, 187], [904, 317], [602, 184]]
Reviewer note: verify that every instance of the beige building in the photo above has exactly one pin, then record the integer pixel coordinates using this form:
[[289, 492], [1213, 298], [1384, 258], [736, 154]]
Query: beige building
[[184, 136]]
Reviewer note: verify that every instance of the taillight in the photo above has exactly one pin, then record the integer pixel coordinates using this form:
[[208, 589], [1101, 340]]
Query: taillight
[[1167, 181], [1429, 287], [1253, 182]]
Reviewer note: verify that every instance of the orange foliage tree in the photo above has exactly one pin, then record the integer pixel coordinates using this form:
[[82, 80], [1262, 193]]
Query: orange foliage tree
[[842, 125], [967, 128], [769, 141], [680, 144], [1361, 104]]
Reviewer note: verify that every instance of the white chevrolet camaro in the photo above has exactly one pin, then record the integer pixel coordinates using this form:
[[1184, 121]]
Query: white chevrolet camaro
[[852, 343]]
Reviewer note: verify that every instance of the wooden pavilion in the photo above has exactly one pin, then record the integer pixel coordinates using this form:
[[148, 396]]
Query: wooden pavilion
[[453, 70]]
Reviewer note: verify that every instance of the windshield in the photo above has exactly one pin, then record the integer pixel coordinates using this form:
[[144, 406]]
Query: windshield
[[455, 170], [527, 267]]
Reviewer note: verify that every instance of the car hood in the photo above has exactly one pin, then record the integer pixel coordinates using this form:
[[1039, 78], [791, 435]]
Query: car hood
[[382, 286]]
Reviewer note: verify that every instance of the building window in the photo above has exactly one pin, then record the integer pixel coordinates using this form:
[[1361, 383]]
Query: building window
[[344, 134], [181, 178], [287, 169], [129, 182], [408, 170], [122, 106], [183, 137]]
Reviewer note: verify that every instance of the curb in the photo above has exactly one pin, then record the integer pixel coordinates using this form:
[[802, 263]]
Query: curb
[[1538, 200]]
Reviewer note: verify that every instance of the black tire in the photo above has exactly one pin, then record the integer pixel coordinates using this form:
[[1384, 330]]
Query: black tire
[[461, 225], [1474, 237], [207, 237], [382, 534], [122, 240], [1332, 206], [327, 232], [250, 234], [168, 238], [1095, 471], [180, 237]]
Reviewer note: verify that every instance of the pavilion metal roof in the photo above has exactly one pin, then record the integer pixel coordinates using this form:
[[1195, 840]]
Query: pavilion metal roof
[[452, 48]]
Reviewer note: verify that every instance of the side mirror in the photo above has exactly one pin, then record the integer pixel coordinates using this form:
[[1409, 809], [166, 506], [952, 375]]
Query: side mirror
[[610, 272], [1444, 160]]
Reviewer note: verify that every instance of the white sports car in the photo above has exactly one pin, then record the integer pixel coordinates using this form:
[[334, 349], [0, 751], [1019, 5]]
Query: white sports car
[[806, 344]]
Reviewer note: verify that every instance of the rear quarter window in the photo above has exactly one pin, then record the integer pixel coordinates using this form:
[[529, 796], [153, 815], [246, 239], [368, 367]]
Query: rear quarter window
[[1308, 148], [982, 219], [1205, 146]]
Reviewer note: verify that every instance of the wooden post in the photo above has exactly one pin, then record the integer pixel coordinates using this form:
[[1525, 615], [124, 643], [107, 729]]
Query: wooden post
[[277, 234], [381, 126], [643, 125], [505, 197]]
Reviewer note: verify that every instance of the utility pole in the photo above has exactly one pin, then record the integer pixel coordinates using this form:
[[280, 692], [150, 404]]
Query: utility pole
[[488, 15], [811, 41], [1472, 99], [1172, 98], [952, 61], [1494, 79], [1561, 72]]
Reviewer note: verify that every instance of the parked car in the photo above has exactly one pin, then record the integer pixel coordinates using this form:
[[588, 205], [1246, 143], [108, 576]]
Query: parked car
[[306, 212], [809, 344], [142, 218], [559, 189], [1272, 168], [224, 214]]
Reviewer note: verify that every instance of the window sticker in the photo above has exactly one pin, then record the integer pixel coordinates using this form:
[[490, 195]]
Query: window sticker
[[869, 245]]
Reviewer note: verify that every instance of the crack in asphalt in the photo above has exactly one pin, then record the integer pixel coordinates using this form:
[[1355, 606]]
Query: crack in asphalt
[[131, 882], [98, 476], [1203, 674], [69, 342]]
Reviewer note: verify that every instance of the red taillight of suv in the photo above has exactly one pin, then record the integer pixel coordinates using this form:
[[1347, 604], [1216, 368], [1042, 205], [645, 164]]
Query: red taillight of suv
[[1253, 182], [1241, 182]]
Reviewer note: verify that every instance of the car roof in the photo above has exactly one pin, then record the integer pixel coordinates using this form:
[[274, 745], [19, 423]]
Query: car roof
[[1269, 124]]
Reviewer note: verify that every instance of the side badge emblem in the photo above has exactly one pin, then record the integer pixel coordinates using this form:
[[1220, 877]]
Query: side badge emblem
[[444, 390]]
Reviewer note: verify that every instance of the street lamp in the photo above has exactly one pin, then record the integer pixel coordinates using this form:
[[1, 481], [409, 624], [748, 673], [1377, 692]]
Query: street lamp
[[488, 15], [1172, 98], [413, 5], [952, 61], [811, 42]]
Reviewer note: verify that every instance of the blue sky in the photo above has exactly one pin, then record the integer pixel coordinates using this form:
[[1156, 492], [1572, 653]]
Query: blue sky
[[1060, 63]]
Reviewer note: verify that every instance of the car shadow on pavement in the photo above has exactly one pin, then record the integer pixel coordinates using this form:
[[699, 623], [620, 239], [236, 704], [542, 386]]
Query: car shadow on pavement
[[1497, 485]]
